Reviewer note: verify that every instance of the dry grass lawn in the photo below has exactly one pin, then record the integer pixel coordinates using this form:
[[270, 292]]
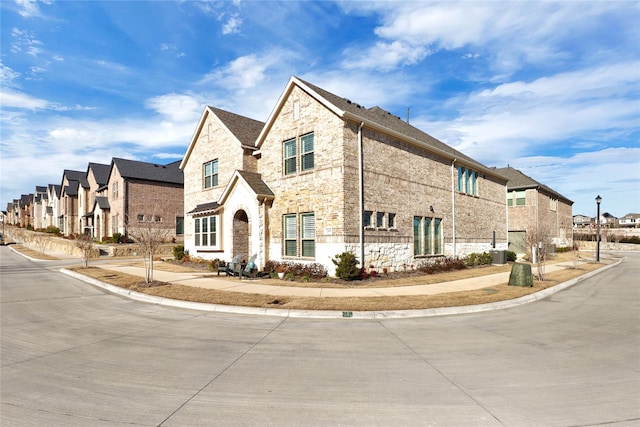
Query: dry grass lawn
[[495, 293]]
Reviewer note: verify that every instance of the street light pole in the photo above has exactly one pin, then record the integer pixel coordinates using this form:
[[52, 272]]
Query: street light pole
[[598, 200]]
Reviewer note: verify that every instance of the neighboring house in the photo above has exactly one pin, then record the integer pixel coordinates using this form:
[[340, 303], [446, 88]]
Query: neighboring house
[[536, 213], [39, 206], [53, 205], [13, 211], [139, 193], [630, 220], [608, 220], [73, 184], [97, 176], [25, 216], [324, 175], [582, 221]]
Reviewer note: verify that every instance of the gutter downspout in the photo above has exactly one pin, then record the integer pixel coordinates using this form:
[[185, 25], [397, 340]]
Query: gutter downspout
[[453, 206], [361, 190]]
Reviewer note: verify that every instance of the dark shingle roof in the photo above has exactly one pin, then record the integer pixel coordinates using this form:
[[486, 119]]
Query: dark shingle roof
[[100, 172], [169, 173], [244, 128], [55, 188], [520, 181], [102, 203], [256, 183], [386, 119], [79, 176], [205, 208]]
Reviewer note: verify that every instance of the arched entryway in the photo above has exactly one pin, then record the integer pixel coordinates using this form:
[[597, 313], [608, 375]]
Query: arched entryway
[[241, 235]]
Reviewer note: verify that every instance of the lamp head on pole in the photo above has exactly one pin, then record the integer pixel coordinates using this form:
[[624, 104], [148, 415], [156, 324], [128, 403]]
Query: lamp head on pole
[[598, 199]]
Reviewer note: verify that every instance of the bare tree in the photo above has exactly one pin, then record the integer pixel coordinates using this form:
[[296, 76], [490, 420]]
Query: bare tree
[[539, 241], [85, 244], [42, 241], [149, 233]]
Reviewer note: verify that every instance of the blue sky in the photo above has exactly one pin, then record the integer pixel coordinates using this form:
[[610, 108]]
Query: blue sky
[[550, 88]]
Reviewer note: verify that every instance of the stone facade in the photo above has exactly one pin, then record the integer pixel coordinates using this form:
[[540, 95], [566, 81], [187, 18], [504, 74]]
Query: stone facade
[[406, 179]]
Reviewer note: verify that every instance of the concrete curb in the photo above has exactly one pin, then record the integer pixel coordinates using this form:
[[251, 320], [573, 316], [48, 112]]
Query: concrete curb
[[333, 314]]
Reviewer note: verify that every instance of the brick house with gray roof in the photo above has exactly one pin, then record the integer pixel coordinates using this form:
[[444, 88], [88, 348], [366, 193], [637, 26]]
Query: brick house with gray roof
[[536, 212], [324, 175], [139, 192], [73, 182]]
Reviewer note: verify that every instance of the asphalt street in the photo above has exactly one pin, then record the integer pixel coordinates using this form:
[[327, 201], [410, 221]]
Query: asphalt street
[[75, 355]]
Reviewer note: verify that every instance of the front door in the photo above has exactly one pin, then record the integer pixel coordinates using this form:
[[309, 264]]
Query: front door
[[241, 235]]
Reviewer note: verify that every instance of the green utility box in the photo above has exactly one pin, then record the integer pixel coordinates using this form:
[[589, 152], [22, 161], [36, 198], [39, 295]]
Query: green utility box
[[521, 275]]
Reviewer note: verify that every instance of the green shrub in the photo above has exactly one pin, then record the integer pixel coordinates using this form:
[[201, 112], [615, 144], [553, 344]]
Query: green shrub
[[52, 229], [562, 249], [178, 252], [116, 237], [475, 259], [511, 256], [346, 266]]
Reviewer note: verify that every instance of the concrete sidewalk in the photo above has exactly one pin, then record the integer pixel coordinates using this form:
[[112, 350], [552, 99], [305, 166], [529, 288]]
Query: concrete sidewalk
[[272, 287]]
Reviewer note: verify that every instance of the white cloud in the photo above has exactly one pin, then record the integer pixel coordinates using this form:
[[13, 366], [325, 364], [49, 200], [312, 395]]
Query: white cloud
[[232, 25], [12, 99], [512, 33], [30, 8], [513, 119], [25, 41], [384, 56], [176, 107]]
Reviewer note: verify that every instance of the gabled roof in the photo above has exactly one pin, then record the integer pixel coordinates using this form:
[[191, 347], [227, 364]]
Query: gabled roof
[[520, 181], [71, 189], [254, 182], [376, 118], [243, 129], [631, 216], [251, 179], [79, 176], [100, 172], [25, 200], [54, 189], [40, 189], [102, 203], [169, 173]]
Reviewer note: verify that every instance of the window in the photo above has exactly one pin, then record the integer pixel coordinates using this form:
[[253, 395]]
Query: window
[[179, 225], [519, 196], [290, 158], [391, 220], [308, 235], [290, 154], [467, 181], [290, 235], [553, 205], [210, 174], [367, 218], [306, 152], [302, 243], [379, 219], [206, 231], [427, 236], [115, 190]]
